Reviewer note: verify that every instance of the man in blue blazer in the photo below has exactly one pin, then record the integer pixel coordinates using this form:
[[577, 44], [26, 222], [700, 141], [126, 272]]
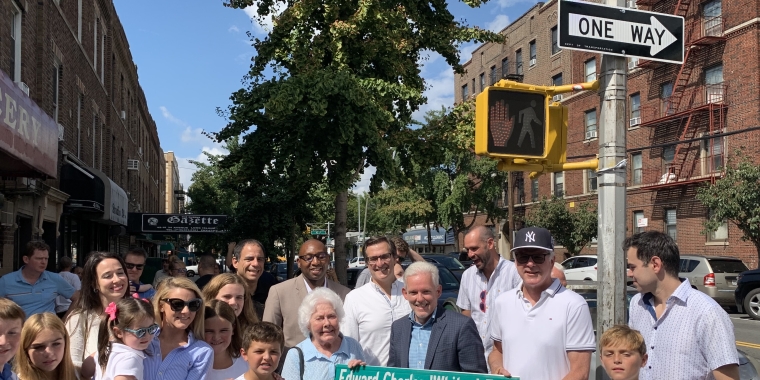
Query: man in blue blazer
[[432, 338]]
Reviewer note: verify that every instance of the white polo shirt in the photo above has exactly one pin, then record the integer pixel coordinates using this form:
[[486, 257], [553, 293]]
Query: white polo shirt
[[535, 339], [690, 339], [369, 316], [474, 283]]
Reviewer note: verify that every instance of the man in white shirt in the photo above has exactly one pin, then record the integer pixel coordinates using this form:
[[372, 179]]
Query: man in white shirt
[[489, 276], [688, 335], [372, 309], [540, 319], [402, 252], [62, 303]]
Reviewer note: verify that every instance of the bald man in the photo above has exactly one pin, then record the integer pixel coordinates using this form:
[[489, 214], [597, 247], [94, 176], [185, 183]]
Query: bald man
[[285, 298]]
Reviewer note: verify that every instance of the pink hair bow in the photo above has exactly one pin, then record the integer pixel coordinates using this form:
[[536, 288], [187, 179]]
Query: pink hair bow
[[137, 297], [111, 311]]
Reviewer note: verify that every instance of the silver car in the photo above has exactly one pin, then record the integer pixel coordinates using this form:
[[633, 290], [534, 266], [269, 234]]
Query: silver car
[[713, 275]]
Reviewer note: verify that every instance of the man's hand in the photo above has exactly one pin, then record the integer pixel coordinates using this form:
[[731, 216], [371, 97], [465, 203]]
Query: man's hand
[[501, 371], [353, 363]]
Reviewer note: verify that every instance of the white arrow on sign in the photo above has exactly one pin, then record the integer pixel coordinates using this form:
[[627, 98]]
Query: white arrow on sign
[[654, 35]]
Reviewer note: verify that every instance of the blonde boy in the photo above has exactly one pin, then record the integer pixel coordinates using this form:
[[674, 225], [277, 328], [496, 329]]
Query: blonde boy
[[262, 348], [623, 352]]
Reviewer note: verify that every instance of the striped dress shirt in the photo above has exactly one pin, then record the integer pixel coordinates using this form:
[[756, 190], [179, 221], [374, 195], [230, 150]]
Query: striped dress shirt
[[190, 362]]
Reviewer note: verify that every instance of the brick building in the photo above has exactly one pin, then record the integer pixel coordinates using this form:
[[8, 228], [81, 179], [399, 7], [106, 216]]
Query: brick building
[[99, 156], [684, 121], [175, 194]]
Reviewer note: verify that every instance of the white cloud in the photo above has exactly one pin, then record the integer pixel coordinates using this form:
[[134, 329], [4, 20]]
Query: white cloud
[[439, 92], [174, 120], [500, 22], [362, 185], [193, 134], [233, 28], [265, 25], [510, 3], [186, 168], [465, 52]]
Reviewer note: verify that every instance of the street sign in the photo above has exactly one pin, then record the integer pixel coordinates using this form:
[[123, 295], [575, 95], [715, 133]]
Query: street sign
[[318, 232], [389, 373], [620, 31]]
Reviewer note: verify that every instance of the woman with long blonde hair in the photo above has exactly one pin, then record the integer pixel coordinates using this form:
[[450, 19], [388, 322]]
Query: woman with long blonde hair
[[44, 350], [232, 290]]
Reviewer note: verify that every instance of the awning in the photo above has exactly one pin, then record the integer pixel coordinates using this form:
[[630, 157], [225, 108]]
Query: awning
[[438, 236], [28, 136], [92, 192]]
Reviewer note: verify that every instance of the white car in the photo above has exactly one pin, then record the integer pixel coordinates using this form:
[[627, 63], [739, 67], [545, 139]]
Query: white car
[[580, 268], [357, 262], [192, 270]]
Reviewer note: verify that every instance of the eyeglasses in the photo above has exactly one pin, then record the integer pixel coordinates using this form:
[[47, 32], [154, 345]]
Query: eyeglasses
[[180, 270], [139, 333], [134, 266], [179, 304], [320, 256], [483, 301], [382, 258], [537, 258]]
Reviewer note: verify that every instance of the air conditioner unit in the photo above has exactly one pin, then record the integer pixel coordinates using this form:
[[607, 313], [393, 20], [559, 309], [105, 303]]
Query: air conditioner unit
[[590, 135], [133, 164], [23, 87], [632, 63], [139, 151], [631, 4], [123, 115], [634, 121], [60, 132], [532, 61], [557, 98]]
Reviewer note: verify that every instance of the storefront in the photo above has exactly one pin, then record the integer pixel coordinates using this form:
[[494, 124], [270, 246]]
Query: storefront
[[95, 215], [29, 207]]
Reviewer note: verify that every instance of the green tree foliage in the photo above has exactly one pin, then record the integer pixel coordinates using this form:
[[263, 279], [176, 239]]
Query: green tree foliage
[[735, 198], [346, 82], [570, 229]]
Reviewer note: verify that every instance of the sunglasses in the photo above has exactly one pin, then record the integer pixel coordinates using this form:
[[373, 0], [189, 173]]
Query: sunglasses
[[139, 333], [483, 301], [320, 256], [134, 266], [537, 258], [179, 304]]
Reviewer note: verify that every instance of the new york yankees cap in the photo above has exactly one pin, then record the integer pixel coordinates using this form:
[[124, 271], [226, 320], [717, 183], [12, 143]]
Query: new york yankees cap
[[533, 237]]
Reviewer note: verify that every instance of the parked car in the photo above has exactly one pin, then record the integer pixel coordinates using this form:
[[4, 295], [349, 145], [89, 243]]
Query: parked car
[[353, 275], [451, 263], [280, 270], [357, 262], [715, 276], [747, 293], [192, 270], [580, 268]]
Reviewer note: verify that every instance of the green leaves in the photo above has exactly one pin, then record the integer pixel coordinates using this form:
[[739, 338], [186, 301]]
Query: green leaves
[[570, 229]]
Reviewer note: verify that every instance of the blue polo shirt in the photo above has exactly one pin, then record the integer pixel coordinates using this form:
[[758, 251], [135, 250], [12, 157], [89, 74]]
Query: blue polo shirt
[[37, 298]]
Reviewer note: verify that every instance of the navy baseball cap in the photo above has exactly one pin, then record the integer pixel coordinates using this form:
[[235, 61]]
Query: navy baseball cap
[[533, 237]]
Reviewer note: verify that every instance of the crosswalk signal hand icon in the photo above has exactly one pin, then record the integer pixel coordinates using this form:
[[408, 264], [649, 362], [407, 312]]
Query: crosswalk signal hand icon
[[511, 123]]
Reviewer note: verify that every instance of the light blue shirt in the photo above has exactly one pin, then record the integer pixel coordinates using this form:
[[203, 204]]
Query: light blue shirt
[[419, 344], [317, 365], [37, 298], [191, 362]]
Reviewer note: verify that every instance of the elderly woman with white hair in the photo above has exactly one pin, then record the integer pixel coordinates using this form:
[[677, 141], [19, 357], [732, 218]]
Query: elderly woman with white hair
[[319, 318]]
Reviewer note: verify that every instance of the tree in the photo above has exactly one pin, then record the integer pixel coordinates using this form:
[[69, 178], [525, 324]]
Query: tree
[[735, 198], [346, 82], [572, 230]]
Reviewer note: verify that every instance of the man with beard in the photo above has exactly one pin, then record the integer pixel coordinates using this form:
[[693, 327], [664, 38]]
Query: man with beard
[[285, 298], [248, 259], [489, 276], [371, 309]]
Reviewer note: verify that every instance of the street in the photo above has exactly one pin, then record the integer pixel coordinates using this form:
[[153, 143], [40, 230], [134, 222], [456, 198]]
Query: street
[[747, 333]]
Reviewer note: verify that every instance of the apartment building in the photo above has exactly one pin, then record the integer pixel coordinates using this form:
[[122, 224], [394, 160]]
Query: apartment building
[[175, 193], [685, 122]]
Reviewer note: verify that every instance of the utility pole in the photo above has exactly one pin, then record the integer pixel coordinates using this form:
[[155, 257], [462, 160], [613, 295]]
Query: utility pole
[[612, 178]]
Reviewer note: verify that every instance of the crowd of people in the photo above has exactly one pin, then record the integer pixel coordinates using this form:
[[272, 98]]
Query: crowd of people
[[516, 319]]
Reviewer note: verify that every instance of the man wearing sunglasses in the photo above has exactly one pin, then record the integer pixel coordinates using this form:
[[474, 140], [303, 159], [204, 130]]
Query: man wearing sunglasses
[[135, 263], [489, 276], [540, 318]]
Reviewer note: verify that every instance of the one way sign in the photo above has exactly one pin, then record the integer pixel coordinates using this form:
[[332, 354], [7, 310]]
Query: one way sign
[[620, 31]]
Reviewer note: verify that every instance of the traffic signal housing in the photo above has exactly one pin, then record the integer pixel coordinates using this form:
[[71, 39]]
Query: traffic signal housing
[[308, 230]]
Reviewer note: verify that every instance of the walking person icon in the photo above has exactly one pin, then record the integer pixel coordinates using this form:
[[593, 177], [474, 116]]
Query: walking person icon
[[527, 116]]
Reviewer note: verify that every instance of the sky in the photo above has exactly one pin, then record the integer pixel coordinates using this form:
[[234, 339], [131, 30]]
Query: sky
[[192, 55]]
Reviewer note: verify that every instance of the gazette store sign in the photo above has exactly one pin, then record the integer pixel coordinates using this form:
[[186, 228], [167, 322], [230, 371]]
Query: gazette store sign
[[183, 223]]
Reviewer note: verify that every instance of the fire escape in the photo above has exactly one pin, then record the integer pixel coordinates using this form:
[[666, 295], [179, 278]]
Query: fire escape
[[691, 111]]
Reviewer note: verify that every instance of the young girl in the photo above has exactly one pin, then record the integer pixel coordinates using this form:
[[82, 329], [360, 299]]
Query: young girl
[[131, 325], [222, 334], [44, 350], [232, 290], [11, 320]]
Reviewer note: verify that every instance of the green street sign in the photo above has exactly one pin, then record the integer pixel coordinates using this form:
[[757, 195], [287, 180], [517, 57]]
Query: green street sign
[[388, 373], [318, 232]]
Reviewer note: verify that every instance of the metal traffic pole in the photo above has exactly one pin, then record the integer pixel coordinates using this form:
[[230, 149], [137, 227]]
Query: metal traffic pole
[[612, 178]]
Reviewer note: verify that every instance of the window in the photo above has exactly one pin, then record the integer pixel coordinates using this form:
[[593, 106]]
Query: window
[[714, 84], [557, 80], [15, 43], [590, 70], [518, 62], [668, 154], [79, 125], [590, 181], [637, 216], [494, 77], [534, 190], [636, 168], [555, 43], [57, 69], [464, 93], [532, 53], [520, 185], [559, 184], [94, 137], [713, 23], [713, 153], [482, 82], [635, 109], [670, 222], [79, 20], [666, 106], [590, 119], [719, 234], [504, 67]]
